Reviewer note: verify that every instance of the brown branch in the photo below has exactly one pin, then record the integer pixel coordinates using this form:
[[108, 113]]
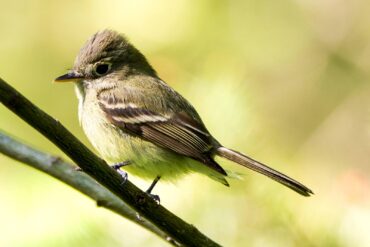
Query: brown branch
[[176, 228]]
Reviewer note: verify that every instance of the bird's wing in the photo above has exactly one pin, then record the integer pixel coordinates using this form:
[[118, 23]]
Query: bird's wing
[[177, 132]]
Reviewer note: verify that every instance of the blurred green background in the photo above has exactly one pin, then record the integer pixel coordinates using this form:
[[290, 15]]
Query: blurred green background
[[285, 81]]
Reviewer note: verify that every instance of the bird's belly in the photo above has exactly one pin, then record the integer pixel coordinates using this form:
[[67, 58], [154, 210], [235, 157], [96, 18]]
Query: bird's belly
[[147, 160]]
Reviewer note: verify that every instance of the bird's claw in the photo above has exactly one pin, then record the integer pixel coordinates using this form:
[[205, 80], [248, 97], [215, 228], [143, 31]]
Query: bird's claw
[[123, 174], [156, 198]]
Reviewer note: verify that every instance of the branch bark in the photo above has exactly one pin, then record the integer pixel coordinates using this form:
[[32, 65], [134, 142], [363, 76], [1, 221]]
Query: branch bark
[[65, 172], [176, 228]]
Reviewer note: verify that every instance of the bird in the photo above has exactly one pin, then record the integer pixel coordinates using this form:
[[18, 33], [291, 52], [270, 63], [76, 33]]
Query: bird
[[140, 124]]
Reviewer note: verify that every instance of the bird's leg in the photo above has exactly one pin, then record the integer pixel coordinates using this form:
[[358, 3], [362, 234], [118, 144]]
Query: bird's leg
[[149, 190], [118, 166], [151, 187]]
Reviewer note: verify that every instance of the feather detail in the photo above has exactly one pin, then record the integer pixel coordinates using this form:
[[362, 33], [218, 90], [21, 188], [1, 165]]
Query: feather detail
[[178, 133], [263, 169]]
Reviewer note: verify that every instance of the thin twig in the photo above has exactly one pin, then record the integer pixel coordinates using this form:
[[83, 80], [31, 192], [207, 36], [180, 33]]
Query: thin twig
[[65, 172], [176, 228]]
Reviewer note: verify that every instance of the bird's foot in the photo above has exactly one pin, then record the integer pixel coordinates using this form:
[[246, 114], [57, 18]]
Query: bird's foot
[[123, 174], [116, 167], [156, 198]]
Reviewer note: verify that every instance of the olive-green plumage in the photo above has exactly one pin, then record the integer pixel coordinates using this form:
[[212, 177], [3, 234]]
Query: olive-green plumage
[[129, 113]]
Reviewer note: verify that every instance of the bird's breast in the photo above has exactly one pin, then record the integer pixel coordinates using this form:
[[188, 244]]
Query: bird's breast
[[112, 143]]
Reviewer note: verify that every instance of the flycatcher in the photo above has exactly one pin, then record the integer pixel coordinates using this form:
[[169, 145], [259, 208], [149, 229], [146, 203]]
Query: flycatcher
[[135, 120]]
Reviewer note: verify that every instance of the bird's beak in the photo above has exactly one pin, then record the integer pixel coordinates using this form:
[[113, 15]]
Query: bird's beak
[[69, 77]]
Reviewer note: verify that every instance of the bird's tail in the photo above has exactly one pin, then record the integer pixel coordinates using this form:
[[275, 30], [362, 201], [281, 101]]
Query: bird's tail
[[263, 169]]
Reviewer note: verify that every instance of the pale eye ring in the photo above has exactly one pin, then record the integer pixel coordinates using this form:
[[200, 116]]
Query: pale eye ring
[[101, 69]]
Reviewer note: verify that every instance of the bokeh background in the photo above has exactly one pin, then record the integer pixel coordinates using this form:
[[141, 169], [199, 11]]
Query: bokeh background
[[285, 81]]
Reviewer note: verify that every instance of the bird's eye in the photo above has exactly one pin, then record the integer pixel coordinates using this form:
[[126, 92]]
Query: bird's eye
[[102, 68]]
